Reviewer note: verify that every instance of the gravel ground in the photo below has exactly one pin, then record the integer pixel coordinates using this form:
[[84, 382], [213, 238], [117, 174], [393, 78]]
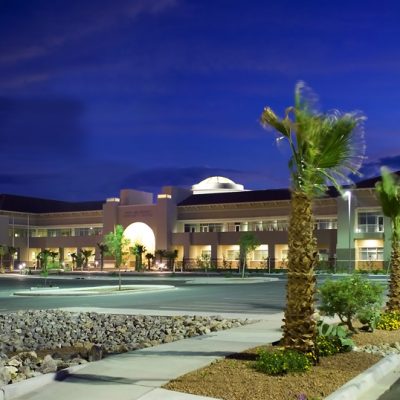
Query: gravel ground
[[234, 378]]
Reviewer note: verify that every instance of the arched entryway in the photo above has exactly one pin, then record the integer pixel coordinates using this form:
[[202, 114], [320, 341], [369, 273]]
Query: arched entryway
[[140, 233]]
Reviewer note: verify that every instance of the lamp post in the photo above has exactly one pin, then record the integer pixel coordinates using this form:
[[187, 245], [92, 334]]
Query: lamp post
[[347, 195]]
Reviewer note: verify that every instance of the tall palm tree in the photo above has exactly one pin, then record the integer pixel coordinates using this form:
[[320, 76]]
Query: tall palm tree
[[388, 190], [325, 148]]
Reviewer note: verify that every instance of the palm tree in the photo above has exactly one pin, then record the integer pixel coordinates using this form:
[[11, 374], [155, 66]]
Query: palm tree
[[149, 258], [3, 252], [388, 190], [137, 250], [86, 254], [103, 249], [325, 148], [171, 256], [11, 250]]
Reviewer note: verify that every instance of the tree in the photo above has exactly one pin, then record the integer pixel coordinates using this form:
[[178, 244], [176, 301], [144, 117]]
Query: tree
[[118, 247], [248, 243], [388, 190], [149, 258], [171, 257], [53, 255], [3, 252], [11, 250], [137, 250], [160, 254], [325, 149], [86, 254], [103, 249], [77, 260], [43, 259]]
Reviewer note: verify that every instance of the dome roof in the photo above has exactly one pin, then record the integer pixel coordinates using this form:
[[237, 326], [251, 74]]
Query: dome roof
[[216, 184]]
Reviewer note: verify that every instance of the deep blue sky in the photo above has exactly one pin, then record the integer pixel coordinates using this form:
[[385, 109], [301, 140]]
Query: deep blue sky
[[101, 95]]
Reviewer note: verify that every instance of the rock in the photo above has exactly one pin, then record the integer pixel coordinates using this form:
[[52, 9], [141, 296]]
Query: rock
[[95, 353], [28, 331], [5, 376], [48, 365]]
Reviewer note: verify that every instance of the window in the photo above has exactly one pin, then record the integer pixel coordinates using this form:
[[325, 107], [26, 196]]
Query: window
[[203, 227], [190, 228], [210, 227], [205, 255], [328, 223], [323, 255], [371, 254], [370, 221], [87, 231], [232, 255], [260, 255]]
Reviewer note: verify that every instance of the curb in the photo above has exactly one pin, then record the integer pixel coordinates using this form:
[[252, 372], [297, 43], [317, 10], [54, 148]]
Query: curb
[[13, 390], [387, 370], [94, 291]]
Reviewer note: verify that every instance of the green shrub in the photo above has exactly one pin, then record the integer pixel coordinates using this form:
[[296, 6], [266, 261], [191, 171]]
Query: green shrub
[[332, 339], [282, 361], [389, 321], [348, 297], [369, 318]]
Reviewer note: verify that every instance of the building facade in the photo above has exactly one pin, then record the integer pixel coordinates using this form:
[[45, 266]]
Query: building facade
[[202, 225]]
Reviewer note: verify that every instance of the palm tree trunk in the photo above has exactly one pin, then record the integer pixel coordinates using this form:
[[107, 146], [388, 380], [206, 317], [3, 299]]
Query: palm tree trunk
[[299, 330], [393, 303]]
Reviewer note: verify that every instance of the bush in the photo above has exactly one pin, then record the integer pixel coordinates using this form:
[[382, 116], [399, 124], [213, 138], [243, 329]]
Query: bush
[[369, 318], [280, 362], [333, 339], [349, 297], [389, 321]]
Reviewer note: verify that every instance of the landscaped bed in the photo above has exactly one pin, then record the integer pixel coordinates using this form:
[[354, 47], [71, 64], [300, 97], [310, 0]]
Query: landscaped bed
[[234, 377]]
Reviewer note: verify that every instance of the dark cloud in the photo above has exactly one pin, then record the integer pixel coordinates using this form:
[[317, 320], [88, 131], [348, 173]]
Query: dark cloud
[[372, 168], [39, 128]]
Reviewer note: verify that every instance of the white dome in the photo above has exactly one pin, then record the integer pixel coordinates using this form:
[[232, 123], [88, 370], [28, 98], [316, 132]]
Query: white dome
[[216, 184]]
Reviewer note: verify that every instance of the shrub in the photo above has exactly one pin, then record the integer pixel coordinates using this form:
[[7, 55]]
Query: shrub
[[369, 318], [280, 362], [333, 339], [348, 297], [389, 321]]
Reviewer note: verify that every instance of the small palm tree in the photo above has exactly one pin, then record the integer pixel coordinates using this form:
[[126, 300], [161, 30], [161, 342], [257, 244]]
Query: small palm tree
[[137, 250], [388, 190], [325, 148], [103, 249], [3, 252], [11, 250], [171, 256], [149, 258], [86, 254]]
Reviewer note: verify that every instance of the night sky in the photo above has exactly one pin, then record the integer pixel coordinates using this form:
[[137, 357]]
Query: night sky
[[96, 96]]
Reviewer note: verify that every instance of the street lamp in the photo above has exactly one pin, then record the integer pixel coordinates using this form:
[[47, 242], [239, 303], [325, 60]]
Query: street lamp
[[347, 195]]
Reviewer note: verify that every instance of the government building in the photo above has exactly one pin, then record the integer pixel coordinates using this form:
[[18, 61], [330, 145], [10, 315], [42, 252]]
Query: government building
[[203, 225]]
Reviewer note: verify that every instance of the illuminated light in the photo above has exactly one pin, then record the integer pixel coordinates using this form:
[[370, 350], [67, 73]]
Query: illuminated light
[[164, 196], [113, 200], [141, 233]]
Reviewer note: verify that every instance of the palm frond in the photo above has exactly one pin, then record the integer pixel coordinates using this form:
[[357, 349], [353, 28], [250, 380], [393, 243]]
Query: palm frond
[[388, 190], [326, 148]]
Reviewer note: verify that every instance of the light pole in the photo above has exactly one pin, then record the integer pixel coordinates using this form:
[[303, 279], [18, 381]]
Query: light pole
[[347, 195]]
